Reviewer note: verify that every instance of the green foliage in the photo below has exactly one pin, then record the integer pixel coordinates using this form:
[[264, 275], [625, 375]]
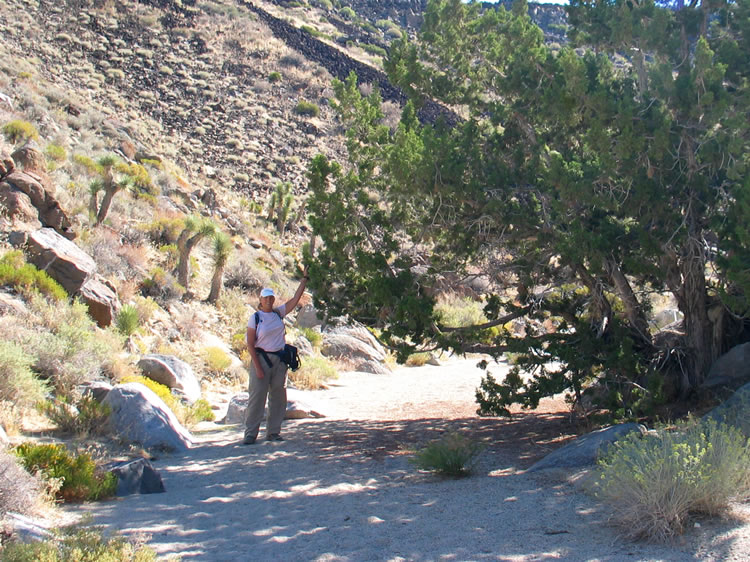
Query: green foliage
[[556, 175], [128, 320], [19, 387], [315, 32], [80, 545], [307, 108], [188, 415], [217, 360], [27, 279], [280, 204], [161, 285], [655, 483], [347, 13], [274, 77], [70, 349], [313, 373], [78, 474], [453, 455], [313, 336], [374, 49], [55, 152], [86, 416], [164, 230], [18, 131]]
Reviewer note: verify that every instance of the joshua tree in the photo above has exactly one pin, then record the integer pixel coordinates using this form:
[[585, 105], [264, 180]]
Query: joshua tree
[[196, 228], [280, 204], [109, 184], [222, 251]]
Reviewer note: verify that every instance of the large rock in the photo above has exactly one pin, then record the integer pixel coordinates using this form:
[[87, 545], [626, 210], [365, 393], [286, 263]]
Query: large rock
[[731, 369], [18, 207], [296, 407], [42, 198], [735, 411], [137, 477], [172, 373], [101, 299], [65, 262], [307, 317], [140, 416], [585, 450], [375, 351]]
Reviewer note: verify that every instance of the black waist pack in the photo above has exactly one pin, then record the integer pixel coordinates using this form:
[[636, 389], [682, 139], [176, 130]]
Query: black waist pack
[[290, 356]]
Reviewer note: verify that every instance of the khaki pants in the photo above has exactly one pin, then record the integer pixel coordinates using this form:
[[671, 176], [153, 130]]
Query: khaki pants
[[273, 386]]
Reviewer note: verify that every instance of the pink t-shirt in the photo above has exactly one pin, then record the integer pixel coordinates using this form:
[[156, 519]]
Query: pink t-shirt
[[270, 335]]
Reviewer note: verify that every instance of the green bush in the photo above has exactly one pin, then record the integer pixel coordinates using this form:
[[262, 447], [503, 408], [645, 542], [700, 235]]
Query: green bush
[[19, 387], [217, 360], [70, 349], [313, 373], [55, 152], [453, 455], [374, 49], [26, 279], [80, 480], [457, 311], [313, 336], [188, 415], [128, 320], [274, 77], [347, 13], [86, 416], [654, 483], [20, 131], [80, 545], [307, 108]]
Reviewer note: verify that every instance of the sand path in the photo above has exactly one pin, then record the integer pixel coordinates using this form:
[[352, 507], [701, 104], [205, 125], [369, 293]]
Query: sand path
[[341, 487]]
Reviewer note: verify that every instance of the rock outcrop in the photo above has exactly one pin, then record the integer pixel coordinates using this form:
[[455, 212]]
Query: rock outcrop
[[172, 373], [140, 416]]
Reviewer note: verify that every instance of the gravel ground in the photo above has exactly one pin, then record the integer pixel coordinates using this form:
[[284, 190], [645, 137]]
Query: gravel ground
[[342, 488]]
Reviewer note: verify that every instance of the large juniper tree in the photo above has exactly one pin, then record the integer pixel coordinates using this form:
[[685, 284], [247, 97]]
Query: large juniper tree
[[586, 179]]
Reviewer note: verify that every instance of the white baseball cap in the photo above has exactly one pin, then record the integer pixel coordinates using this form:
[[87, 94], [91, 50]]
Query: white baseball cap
[[267, 293]]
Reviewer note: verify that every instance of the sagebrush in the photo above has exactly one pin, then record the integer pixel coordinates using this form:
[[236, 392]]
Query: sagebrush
[[655, 483]]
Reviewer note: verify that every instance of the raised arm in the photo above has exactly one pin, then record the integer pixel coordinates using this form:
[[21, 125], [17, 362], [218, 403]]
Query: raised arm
[[294, 301]]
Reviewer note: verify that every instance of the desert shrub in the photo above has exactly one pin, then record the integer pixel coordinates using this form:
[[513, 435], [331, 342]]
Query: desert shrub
[[80, 545], [456, 311], [322, 4], [233, 305], [347, 13], [313, 373], [274, 77], [293, 60], [654, 483], [452, 455], [72, 349], [19, 387], [315, 32], [146, 308], [313, 336], [55, 152], [374, 49], [164, 230], [79, 477], [189, 414], [217, 360], [18, 131], [198, 411], [161, 285], [26, 279], [20, 491], [84, 417], [307, 108], [418, 359], [128, 320]]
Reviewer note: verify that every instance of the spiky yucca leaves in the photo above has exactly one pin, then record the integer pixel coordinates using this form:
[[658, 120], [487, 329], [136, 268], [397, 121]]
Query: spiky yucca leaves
[[222, 250]]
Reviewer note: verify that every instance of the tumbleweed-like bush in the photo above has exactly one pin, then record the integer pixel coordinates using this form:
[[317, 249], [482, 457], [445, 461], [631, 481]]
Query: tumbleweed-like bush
[[655, 483]]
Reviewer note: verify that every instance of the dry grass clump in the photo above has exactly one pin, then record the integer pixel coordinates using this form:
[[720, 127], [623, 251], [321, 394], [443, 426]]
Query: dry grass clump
[[453, 455], [656, 483], [20, 492], [313, 373]]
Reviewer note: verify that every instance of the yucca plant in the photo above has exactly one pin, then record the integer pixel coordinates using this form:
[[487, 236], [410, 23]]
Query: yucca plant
[[222, 250]]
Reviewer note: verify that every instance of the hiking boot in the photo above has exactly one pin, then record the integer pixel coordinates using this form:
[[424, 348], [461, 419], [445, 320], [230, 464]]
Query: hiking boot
[[274, 437], [249, 441]]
